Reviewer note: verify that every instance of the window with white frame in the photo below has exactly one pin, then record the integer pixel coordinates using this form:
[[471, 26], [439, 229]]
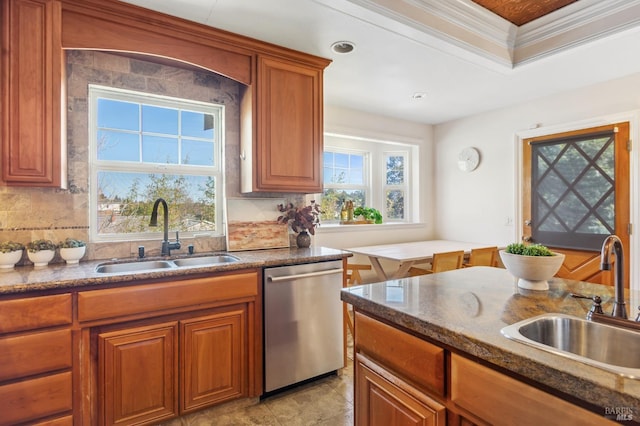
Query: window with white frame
[[346, 177], [144, 147], [370, 173], [395, 186]]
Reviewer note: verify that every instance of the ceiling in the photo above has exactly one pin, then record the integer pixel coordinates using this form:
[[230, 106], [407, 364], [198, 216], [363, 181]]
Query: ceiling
[[432, 61]]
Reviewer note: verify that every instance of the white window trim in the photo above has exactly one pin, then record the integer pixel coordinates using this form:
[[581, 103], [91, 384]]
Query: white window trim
[[377, 181], [217, 170], [405, 187]]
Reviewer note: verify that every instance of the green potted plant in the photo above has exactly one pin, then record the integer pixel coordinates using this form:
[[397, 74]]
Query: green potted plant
[[72, 250], [41, 252], [10, 254], [302, 220], [532, 264], [369, 214]]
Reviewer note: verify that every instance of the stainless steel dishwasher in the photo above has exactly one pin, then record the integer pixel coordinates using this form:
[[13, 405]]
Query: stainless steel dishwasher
[[303, 322]]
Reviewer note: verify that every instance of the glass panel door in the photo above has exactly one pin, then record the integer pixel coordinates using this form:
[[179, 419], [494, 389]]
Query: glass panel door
[[573, 191]]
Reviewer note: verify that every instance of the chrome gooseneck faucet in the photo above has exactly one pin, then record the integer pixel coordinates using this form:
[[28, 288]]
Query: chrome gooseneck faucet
[[613, 244], [166, 245]]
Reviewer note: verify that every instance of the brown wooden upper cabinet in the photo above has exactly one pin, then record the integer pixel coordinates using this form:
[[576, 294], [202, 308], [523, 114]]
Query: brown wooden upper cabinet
[[31, 122], [281, 107], [286, 154]]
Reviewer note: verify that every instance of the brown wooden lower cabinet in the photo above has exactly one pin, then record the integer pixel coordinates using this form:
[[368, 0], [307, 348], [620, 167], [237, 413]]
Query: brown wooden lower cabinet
[[500, 399], [138, 374], [174, 347], [130, 354], [36, 379], [391, 388], [155, 372], [36, 398], [213, 354], [383, 399]]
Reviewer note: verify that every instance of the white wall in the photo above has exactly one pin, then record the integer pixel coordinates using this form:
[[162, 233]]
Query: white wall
[[355, 123], [476, 206]]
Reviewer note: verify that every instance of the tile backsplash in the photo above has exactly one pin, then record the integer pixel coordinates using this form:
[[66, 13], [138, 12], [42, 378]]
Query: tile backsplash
[[33, 213]]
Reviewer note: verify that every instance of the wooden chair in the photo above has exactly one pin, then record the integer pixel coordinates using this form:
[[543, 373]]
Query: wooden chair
[[353, 278], [485, 256], [441, 262], [353, 273]]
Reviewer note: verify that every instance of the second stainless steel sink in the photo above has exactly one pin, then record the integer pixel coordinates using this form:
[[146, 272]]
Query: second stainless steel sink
[[611, 348]]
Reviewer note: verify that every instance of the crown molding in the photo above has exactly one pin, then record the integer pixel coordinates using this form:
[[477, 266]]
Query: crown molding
[[484, 38], [574, 26]]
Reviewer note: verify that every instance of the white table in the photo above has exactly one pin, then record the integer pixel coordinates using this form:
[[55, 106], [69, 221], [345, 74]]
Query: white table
[[408, 254]]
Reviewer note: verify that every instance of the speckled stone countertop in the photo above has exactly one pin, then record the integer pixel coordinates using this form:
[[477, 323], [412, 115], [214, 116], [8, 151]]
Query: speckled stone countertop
[[24, 279], [464, 310]]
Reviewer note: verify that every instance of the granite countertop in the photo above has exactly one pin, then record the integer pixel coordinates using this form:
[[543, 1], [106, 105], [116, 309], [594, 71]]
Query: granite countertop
[[24, 279], [464, 310]]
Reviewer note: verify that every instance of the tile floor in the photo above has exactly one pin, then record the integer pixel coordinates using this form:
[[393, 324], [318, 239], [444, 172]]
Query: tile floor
[[327, 401]]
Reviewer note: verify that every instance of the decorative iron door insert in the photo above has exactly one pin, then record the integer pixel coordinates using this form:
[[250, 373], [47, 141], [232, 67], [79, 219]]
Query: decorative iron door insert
[[573, 191]]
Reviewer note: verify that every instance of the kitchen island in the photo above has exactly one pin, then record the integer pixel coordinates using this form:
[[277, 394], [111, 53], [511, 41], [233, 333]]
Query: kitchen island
[[434, 342]]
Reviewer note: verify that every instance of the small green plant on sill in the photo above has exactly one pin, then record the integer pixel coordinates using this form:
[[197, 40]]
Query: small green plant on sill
[[528, 250], [9, 246], [368, 213], [71, 243], [39, 245]]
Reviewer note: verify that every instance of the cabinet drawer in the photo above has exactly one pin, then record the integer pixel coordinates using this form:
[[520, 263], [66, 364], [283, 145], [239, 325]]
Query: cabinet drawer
[[29, 354], [116, 302], [413, 359], [36, 398], [35, 312], [500, 399]]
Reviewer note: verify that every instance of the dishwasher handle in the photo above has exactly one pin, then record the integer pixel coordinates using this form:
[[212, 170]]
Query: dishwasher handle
[[307, 275]]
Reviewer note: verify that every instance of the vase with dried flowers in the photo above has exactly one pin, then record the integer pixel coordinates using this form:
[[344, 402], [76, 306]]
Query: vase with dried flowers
[[302, 220]]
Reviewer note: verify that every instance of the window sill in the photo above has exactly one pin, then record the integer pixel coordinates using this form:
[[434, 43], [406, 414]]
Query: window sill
[[329, 228]]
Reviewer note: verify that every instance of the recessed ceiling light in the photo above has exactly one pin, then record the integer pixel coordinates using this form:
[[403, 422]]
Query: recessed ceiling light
[[343, 47], [419, 95]]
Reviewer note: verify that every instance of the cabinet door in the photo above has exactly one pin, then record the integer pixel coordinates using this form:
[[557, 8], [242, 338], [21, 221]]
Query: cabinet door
[[288, 152], [137, 374], [387, 400], [214, 358], [32, 142]]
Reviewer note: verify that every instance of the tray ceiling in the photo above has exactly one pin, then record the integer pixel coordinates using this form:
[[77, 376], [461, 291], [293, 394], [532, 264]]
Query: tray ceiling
[[464, 58]]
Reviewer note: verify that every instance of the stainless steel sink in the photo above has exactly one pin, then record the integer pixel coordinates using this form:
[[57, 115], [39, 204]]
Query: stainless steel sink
[[205, 260], [150, 265], [610, 348], [146, 265]]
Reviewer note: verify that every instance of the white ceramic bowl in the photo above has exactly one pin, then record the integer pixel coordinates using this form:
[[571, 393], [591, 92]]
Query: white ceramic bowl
[[72, 255], [8, 260], [533, 272], [41, 258]]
